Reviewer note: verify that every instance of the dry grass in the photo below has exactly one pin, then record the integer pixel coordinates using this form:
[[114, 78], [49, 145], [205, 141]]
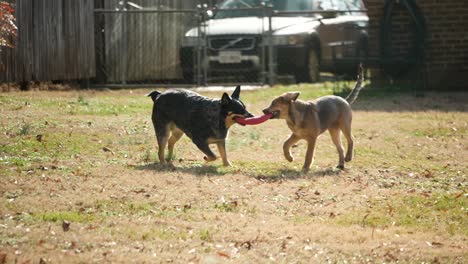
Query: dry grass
[[89, 158]]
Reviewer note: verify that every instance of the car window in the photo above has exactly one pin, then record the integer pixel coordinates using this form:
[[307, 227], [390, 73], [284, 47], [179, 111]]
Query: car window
[[326, 5], [292, 5], [233, 4], [341, 5], [278, 5], [355, 4], [236, 4]]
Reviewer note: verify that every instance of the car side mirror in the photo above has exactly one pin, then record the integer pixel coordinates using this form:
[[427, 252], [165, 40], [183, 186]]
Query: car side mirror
[[210, 13]]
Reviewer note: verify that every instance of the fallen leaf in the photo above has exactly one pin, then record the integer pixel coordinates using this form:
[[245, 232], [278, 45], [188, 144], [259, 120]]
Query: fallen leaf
[[390, 210], [390, 256], [65, 225], [436, 244], [364, 219], [246, 244], [283, 245], [42, 261], [106, 149], [139, 190], [427, 174], [3, 258], [222, 254], [39, 138]]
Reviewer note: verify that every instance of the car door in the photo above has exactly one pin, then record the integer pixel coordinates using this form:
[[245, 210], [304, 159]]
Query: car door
[[331, 33], [354, 25]]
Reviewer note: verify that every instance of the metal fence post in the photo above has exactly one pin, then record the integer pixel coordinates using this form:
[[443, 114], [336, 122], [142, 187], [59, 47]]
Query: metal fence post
[[198, 47], [263, 71], [205, 61], [124, 45], [271, 71]]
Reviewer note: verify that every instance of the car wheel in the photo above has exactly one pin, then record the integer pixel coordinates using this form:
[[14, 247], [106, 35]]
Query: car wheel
[[188, 76], [311, 71]]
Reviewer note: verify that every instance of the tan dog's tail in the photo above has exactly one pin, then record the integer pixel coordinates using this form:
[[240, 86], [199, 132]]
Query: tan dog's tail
[[357, 88]]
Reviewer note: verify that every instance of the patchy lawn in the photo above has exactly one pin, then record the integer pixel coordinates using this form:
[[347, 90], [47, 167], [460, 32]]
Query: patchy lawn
[[80, 182]]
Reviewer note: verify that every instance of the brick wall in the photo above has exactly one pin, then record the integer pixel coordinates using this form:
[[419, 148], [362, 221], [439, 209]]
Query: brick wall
[[446, 47]]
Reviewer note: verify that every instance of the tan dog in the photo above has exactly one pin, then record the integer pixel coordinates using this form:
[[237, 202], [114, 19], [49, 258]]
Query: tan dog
[[307, 120]]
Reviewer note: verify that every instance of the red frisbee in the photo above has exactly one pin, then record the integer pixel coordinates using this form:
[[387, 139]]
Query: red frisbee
[[253, 120]]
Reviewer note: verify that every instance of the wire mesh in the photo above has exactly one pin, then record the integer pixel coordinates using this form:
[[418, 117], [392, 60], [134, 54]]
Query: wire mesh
[[150, 45]]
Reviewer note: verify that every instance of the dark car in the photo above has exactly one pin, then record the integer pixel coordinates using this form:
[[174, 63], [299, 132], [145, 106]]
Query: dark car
[[308, 36]]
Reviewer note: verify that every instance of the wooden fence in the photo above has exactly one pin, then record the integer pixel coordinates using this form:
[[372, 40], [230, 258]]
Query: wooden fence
[[66, 40], [147, 47], [55, 42]]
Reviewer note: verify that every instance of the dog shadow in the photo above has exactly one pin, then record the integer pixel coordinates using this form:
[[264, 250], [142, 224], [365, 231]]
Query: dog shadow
[[211, 170], [198, 170], [292, 174]]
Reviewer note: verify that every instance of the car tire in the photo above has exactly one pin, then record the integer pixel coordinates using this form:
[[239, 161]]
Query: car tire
[[311, 71], [188, 76]]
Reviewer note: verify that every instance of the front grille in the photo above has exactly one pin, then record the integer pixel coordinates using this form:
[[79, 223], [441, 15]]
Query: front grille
[[240, 67], [232, 43]]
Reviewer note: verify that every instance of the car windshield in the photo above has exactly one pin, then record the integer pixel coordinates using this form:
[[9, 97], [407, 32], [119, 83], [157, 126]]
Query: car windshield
[[244, 5]]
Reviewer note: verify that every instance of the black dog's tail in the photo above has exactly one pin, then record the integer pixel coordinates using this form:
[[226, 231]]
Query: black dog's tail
[[154, 95], [357, 88]]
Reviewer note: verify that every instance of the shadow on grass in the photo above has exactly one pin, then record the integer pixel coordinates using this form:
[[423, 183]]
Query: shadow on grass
[[397, 99], [290, 174], [209, 170], [265, 172]]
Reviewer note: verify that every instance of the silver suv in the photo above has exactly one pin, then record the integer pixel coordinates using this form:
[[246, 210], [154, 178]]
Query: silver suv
[[308, 36]]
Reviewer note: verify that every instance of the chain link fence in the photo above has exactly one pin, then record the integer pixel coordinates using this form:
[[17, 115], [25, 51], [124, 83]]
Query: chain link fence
[[154, 45]]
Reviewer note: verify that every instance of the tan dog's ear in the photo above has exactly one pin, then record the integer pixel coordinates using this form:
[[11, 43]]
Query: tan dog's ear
[[291, 96]]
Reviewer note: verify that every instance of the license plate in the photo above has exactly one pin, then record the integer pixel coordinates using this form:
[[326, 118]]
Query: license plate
[[230, 56]]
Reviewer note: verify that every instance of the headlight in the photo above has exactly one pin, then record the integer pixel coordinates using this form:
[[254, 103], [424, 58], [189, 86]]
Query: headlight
[[189, 41], [295, 40], [192, 42]]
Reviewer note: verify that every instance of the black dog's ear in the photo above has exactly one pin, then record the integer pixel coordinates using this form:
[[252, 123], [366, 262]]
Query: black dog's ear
[[154, 95], [225, 100], [236, 93]]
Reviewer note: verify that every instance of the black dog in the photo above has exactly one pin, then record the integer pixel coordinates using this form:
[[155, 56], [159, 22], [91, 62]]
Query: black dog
[[204, 120]]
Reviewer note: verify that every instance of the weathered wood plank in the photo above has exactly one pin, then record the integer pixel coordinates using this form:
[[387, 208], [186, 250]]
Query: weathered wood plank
[[153, 42], [55, 42]]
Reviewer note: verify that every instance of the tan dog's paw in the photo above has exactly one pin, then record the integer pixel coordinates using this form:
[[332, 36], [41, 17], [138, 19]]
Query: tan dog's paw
[[208, 159], [227, 164], [289, 157]]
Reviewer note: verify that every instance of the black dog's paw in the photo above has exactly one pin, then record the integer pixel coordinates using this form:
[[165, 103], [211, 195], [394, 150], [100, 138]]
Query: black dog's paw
[[207, 159], [340, 167]]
